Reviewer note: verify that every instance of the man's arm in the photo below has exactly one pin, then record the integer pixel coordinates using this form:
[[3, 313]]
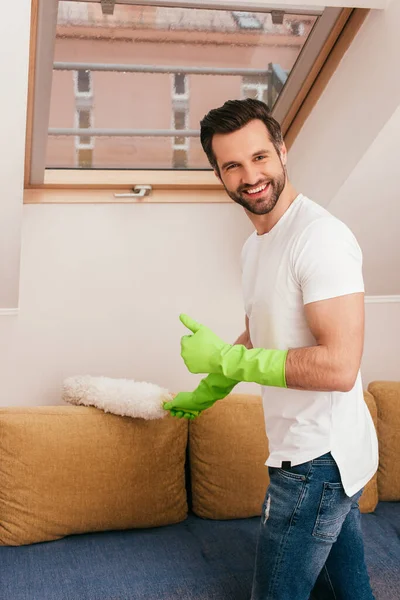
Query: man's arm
[[244, 338], [337, 325], [332, 364]]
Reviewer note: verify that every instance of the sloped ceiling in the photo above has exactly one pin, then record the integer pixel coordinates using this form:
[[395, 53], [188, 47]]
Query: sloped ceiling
[[369, 202], [346, 155]]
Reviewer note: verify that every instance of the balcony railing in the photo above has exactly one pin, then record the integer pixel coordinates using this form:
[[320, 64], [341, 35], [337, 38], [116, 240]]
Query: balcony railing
[[274, 75]]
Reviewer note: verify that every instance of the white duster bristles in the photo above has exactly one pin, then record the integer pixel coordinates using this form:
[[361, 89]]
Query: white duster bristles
[[124, 397]]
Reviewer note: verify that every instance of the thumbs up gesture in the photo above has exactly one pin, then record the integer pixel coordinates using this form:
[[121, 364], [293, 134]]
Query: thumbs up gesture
[[201, 351]]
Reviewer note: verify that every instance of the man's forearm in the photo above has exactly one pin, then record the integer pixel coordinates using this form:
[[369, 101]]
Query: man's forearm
[[315, 368], [331, 365]]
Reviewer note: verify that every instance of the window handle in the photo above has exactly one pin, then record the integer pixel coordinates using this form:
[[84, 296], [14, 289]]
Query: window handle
[[139, 191]]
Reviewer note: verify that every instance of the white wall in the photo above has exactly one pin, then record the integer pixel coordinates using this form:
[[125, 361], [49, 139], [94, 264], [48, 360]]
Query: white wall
[[102, 286], [382, 342], [368, 202], [14, 57], [358, 101]]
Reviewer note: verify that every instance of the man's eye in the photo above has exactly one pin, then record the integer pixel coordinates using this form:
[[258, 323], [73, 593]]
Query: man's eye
[[232, 166], [260, 157]]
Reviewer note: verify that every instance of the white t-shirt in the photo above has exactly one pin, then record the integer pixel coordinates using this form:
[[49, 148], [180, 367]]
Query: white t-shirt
[[308, 255]]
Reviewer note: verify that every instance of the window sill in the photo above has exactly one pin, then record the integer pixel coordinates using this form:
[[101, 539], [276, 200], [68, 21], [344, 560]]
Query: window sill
[[63, 186]]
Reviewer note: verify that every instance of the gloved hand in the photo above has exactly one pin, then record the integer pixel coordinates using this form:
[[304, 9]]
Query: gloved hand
[[182, 406], [210, 389], [205, 352]]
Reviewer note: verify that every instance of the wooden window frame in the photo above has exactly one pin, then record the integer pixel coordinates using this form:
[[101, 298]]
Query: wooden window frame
[[98, 186]]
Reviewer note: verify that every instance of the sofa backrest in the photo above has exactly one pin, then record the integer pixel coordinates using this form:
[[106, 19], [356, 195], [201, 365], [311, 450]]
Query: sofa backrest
[[69, 469]]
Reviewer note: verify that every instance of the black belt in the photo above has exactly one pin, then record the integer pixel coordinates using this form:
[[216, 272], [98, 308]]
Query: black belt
[[286, 464]]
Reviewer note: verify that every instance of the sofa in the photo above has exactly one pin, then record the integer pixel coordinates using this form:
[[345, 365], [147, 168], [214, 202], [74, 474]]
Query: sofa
[[94, 506]]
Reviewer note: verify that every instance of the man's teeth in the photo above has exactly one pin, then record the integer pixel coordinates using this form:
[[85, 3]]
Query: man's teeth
[[257, 190]]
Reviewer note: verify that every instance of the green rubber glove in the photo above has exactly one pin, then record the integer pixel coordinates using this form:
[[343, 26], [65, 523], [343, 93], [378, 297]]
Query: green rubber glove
[[210, 389], [205, 352], [180, 406]]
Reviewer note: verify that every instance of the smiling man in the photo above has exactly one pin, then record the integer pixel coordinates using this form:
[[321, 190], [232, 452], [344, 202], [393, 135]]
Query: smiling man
[[304, 303], [265, 168]]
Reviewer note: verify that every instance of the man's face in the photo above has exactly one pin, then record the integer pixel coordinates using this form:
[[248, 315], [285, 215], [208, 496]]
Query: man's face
[[251, 170]]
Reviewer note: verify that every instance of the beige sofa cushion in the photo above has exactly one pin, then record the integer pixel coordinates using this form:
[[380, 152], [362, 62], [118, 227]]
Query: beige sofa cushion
[[67, 470], [387, 397], [228, 449]]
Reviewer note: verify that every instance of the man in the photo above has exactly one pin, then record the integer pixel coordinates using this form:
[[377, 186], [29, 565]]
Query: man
[[304, 303]]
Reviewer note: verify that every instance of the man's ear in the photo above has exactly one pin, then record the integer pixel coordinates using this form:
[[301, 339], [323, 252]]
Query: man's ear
[[283, 154]]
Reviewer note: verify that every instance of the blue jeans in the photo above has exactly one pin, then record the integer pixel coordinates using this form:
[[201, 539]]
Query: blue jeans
[[310, 545]]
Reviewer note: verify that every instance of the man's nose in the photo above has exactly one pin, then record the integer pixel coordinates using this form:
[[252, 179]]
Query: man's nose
[[251, 174]]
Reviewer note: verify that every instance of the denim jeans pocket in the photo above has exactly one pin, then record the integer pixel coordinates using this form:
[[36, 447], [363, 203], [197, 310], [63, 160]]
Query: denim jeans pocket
[[333, 509], [297, 473]]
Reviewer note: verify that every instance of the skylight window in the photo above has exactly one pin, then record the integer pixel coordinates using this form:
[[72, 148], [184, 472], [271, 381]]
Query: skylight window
[[127, 90]]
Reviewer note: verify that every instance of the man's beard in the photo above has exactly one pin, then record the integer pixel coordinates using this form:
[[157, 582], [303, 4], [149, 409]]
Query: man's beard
[[260, 206]]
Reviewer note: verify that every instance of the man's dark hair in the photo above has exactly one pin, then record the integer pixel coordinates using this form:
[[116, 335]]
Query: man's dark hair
[[234, 115]]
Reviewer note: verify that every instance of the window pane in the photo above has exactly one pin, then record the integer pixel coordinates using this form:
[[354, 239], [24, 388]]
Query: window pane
[[246, 20], [150, 90], [179, 141], [85, 158], [180, 83], [179, 119], [84, 119], [127, 152], [179, 159], [250, 93], [84, 122], [84, 140], [83, 80]]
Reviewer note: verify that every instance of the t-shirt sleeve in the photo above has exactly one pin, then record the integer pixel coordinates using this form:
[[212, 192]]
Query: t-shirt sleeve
[[327, 261]]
